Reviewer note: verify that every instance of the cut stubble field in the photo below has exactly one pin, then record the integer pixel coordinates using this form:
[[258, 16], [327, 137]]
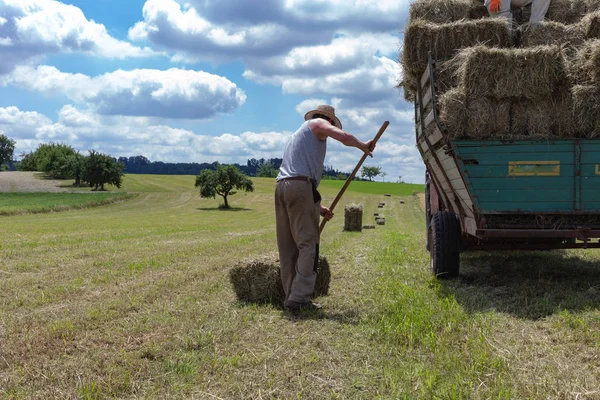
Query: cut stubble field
[[132, 300]]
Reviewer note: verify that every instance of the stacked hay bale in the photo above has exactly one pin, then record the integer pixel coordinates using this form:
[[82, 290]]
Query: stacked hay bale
[[353, 214], [585, 71], [534, 81], [259, 280]]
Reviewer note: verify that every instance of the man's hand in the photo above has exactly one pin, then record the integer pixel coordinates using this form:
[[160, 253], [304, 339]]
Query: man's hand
[[326, 213], [368, 147]]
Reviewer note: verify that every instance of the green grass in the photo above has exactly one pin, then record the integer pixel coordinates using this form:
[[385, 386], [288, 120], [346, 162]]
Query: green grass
[[132, 300], [396, 189], [15, 203]]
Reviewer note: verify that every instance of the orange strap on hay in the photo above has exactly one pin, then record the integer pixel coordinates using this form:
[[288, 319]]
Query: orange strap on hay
[[495, 6]]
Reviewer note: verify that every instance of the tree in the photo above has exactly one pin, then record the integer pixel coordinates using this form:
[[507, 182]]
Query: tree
[[101, 169], [370, 172], [267, 171], [27, 162], [7, 148], [72, 167], [222, 182], [49, 159]]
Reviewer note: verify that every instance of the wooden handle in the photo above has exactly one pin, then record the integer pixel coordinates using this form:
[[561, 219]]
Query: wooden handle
[[353, 174]]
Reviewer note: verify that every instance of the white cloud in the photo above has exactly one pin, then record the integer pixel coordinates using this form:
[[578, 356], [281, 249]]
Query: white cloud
[[122, 136], [32, 29], [173, 93], [243, 30]]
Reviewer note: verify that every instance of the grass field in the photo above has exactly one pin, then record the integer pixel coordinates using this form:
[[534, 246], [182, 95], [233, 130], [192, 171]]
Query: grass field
[[19, 203], [131, 300]]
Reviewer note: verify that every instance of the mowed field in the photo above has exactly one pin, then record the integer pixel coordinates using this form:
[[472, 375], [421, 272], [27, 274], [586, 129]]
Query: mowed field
[[132, 300]]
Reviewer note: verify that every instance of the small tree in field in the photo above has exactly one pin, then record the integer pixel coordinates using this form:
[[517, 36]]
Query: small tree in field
[[101, 169], [370, 172], [222, 182], [7, 148]]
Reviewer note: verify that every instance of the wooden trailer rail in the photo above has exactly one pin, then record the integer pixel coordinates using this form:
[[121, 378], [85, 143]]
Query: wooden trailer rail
[[438, 155]]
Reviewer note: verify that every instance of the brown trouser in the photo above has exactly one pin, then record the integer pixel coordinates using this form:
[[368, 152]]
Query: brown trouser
[[297, 217]]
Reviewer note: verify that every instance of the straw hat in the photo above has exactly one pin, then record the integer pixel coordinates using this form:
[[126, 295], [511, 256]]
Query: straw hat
[[326, 110]]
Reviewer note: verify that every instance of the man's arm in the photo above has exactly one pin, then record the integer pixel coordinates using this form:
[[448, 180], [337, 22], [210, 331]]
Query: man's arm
[[323, 129]]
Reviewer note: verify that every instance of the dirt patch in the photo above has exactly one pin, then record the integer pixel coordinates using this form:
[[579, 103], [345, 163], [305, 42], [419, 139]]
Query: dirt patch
[[21, 181]]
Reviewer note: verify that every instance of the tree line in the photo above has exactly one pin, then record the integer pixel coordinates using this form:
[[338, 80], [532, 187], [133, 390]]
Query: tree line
[[61, 161]]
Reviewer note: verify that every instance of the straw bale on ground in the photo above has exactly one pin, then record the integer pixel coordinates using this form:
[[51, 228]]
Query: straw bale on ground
[[586, 110], [259, 281], [585, 66], [444, 41], [380, 221], [440, 11], [551, 33], [353, 214], [532, 73], [368, 226]]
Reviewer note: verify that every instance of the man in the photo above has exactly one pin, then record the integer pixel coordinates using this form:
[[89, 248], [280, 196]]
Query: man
[[501, 8], [297, 203]]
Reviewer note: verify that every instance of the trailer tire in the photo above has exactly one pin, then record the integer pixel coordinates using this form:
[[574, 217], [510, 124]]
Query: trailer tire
[[445, 245]]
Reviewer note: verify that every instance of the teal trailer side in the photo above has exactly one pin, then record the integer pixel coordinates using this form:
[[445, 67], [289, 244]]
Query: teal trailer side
[[561, 176]]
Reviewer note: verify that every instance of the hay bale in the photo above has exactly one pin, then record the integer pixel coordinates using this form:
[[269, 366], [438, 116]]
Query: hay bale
[[586, 110], [368, 226], [592, 5], [421, 37], [551, 33], [531, 73], [401, 201], [566, 11], [380, 221], [453, 111], [353, 214], [440, 11], [376, 214], [259, 281], [543, 119], [323, 278], [584, 67], [590, 25], [387, 195], [478, 11], [474, 117]]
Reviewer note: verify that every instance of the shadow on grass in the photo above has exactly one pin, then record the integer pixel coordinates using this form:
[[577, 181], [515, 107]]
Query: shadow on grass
[[347, 317], [529, 285], [223, 209]]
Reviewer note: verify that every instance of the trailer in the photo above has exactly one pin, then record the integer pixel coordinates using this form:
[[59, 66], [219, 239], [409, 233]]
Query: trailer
[[503, 195]]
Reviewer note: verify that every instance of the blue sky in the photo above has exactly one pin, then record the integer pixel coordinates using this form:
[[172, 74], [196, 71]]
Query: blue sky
[[204, 80]]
